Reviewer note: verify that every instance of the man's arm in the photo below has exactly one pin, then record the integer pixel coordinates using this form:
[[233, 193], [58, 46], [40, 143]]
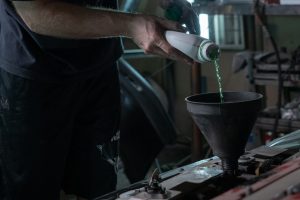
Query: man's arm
[[59, 19]]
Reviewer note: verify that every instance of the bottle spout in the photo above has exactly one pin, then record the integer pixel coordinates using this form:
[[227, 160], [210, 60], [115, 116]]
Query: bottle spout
[[213, 52], [208, 51]]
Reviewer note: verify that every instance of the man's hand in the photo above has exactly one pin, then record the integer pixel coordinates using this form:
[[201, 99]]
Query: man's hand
[[148, 32]]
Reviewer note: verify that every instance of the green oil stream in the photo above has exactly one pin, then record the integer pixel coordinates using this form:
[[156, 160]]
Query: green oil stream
[[216, 63]]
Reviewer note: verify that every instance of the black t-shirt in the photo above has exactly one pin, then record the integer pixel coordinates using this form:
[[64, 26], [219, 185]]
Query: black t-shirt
[[46, 58]]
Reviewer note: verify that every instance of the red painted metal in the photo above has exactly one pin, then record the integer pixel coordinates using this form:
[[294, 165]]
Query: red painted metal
[[277, 173]]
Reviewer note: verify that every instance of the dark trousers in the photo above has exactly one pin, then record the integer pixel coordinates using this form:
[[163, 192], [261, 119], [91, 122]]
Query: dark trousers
[[58, 136]]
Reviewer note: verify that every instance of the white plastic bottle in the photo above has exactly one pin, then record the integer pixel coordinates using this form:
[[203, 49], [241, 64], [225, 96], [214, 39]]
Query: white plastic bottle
[[194, 46]]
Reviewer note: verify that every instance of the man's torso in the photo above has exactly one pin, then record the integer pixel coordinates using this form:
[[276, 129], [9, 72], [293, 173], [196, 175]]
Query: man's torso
[[35, 56]]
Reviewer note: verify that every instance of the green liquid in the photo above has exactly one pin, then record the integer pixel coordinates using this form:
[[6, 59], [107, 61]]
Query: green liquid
[[219, 79]]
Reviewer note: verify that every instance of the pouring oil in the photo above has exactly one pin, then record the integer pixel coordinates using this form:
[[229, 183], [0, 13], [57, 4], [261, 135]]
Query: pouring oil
[[214, 54], [216, 63], [199, 49]]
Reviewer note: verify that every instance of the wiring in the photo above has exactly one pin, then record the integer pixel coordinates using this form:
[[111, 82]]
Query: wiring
[[259, 17]]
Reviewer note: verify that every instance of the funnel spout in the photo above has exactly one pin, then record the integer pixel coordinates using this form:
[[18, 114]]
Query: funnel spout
[[230, 166], [226, 126]]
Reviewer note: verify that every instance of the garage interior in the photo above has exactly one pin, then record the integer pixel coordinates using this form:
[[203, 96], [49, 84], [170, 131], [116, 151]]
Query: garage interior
[[226, 127]]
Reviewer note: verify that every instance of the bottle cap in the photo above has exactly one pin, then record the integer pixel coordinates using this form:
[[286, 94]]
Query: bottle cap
[[208, 51], [213, 52]]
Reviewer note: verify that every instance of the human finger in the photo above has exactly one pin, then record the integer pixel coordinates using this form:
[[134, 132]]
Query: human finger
[[173, 53], [171, 25]]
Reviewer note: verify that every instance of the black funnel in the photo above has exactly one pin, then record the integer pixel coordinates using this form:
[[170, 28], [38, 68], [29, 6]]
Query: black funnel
[[226, 126]]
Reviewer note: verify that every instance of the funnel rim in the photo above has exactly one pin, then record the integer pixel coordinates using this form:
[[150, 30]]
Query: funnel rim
[[259, 96]]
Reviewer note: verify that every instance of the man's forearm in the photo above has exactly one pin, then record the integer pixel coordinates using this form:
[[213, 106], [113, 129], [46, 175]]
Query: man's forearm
[[64, 20], [55, 18]]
